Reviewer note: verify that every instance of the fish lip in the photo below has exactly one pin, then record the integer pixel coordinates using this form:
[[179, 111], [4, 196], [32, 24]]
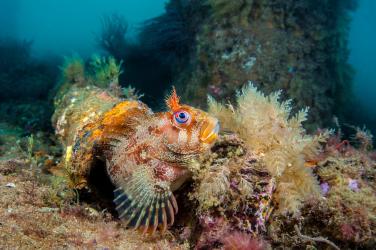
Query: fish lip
[[216, 128], [210, 132]]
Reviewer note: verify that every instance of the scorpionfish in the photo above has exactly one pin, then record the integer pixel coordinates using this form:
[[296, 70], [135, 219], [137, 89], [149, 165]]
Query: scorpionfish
[[147, 156]]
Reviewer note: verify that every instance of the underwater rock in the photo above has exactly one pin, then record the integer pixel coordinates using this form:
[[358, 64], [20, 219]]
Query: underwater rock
[[263, 180], [345, 214], [299, 47], [234, 192], [34, 216]]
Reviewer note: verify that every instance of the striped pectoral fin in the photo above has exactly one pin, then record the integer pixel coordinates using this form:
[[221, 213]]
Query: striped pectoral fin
[[145, 206]]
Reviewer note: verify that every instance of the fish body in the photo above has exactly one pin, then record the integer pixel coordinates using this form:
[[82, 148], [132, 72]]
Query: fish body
[[146, 156]]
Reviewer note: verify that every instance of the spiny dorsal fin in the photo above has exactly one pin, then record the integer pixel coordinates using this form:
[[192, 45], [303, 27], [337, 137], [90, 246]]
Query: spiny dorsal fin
[[173, 101], [144, 203]]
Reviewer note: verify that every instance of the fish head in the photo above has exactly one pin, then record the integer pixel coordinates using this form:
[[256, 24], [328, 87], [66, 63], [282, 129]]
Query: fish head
[[187, 130]]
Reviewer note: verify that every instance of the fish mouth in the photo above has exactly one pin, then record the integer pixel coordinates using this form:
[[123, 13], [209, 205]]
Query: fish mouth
[[209, 131]]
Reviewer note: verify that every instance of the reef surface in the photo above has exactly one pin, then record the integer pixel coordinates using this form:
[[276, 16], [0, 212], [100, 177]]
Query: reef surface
[[266, 183], [276, 178]]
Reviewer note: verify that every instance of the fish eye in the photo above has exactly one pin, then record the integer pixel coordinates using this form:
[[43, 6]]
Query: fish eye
[[182, 117]]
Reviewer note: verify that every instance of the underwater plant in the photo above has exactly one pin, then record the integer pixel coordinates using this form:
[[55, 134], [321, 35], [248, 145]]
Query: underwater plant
[[105, 71], [25, 83], [269, 130], [112, 35], [14, 52], [170, 36], [364, 138], [73, 70], [131, 93], [101, 71], [346, 213]]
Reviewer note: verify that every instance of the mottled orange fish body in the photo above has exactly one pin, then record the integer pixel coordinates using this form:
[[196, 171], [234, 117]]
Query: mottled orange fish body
[[146, 155]]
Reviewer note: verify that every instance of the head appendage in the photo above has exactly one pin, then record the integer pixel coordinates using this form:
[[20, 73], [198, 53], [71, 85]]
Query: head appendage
[[173, 100]]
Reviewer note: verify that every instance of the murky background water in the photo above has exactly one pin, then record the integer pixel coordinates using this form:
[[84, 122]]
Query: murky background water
[[57, 28]]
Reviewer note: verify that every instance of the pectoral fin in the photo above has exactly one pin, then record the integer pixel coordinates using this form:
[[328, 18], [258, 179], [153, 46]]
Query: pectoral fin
[[144, 203]]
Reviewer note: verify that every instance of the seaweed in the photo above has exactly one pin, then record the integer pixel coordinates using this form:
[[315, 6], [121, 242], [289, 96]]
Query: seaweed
[[100, 71], [112, 35], [268, 129], [169, 36], [105, 71], [25, 83], [73, 70]]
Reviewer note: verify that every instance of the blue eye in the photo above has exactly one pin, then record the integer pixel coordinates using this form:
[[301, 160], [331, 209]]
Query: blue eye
[[182, 117]]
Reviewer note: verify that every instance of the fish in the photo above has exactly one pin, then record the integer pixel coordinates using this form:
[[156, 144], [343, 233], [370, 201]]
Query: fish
[[147, 156]]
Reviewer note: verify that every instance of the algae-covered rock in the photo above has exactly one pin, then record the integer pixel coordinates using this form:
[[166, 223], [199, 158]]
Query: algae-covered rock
[[299, 47], [30, 218], [264, 182], [345, 213], [317, 191]]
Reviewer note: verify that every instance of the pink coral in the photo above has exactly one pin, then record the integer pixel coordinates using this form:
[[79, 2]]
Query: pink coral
[[213, 230], [242, 241]]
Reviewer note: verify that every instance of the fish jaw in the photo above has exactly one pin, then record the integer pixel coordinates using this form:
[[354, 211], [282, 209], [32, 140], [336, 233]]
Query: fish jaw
[[209, 131]]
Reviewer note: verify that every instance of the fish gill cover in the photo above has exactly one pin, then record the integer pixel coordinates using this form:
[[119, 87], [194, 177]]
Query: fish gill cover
[[276, 157]]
